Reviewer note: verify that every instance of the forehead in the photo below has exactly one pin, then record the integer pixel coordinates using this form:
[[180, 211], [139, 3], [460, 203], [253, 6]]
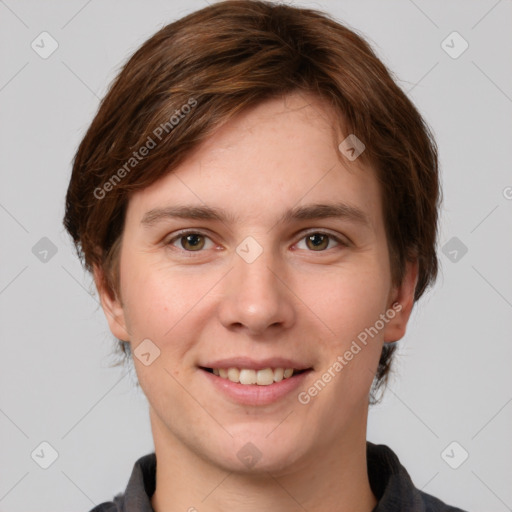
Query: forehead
[[279, 155]]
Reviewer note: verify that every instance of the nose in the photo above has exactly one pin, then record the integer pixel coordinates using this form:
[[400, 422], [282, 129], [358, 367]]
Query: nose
[[256, 297]]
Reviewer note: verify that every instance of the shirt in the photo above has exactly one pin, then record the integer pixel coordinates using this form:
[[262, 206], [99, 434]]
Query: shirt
[[389, 481]]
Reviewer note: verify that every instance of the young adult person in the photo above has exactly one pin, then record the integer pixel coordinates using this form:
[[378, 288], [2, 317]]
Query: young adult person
[[257, 201]]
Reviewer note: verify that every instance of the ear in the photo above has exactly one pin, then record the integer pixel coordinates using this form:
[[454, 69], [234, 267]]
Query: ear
[[401, 301], [111, 305]]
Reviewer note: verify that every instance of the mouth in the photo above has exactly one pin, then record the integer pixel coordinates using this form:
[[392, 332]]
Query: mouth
[[246, 381], [255, 377]]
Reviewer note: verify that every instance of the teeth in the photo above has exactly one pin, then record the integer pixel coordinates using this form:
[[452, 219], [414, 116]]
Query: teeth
[[278, 374], [247, 376], [234, 374], [265, 377]]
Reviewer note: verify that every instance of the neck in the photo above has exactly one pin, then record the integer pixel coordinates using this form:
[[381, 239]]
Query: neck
[[336, 479]]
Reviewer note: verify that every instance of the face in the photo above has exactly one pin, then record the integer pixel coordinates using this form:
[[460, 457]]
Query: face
[[230, 266]]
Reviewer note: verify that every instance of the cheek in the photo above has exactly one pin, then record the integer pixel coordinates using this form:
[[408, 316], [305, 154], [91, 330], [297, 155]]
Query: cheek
[[162, 303], [351, 300], [350, 308]]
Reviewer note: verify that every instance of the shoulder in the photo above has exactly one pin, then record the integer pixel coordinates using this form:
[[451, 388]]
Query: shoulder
[[110, 506], [139, 490], [393, 487], [433, 504]]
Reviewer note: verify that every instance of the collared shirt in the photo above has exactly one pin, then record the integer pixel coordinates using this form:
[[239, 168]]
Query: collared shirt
[[389, 481]]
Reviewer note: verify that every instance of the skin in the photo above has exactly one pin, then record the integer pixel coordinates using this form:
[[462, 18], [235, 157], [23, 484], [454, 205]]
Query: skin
[[295, 300]]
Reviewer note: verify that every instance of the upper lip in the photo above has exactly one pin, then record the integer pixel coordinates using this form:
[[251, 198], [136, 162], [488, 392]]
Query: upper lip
[[253, 364]]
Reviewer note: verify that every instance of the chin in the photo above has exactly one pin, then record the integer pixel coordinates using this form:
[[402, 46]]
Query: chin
[[256, 452]]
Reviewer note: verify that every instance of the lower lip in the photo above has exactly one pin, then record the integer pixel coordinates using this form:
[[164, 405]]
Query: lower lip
[[252, 394]]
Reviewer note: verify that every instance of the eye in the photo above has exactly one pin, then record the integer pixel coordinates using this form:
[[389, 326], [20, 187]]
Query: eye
[[195, 241], [190, 241], [319, 241]]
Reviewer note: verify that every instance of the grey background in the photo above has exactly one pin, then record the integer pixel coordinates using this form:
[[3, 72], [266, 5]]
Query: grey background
[[452, 379]]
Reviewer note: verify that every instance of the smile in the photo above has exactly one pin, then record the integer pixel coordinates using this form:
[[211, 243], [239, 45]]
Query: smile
[[257, 386], [249, 376]]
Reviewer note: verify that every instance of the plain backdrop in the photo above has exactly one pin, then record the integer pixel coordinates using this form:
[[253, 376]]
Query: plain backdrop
[[452, 381]]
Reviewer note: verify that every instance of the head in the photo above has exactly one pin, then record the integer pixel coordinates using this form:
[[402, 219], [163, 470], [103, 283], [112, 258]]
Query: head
[[243, 107]]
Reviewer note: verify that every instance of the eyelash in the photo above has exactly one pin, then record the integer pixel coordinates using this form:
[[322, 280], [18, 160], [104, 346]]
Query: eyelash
[[182, 234]]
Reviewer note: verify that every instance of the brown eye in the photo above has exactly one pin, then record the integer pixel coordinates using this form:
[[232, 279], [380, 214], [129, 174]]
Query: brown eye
[[192, 242], [317, 241]]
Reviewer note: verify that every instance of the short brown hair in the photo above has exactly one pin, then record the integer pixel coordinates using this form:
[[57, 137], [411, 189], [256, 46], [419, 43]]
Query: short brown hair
[[220, 61]]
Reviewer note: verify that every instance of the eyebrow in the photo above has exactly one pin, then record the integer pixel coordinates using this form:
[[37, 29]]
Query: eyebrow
[[308, 212]]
